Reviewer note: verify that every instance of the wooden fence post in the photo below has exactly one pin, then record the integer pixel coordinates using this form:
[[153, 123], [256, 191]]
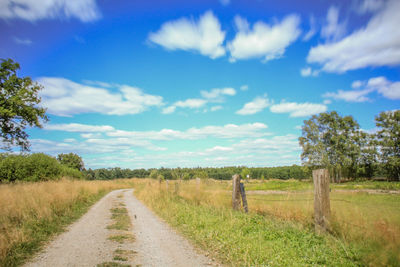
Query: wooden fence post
[[176, 188], [322, 209], [244, 199], [197, 185], [236, 192], [166, 184]]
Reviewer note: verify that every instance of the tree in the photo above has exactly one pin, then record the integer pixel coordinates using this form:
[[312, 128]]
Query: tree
[[18, 106], [71, 160], [245, 173], [331, 141], [388, 138]]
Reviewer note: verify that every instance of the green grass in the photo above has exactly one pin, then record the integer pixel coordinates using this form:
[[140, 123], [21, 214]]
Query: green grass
[[296, 185], [121, 219], [41, 230], [251, 239], [121, 238], [123, 255], [112, 264], [382, 185], [279, 185]]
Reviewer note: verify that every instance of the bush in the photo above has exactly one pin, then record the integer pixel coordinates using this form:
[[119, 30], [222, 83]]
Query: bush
[[34, 167]]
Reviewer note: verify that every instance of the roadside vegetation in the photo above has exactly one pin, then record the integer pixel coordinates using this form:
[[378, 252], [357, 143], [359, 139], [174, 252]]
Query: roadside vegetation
[[32, 213], [278, 230]]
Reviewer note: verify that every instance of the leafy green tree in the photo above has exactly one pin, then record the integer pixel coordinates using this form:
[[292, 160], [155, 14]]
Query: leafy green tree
[[154, 174], [329, 140], [388, 138], [245, 173], [18, 106], [71, 160]]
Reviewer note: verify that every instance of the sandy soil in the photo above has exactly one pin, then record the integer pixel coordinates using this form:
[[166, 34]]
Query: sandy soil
[[86, 243]]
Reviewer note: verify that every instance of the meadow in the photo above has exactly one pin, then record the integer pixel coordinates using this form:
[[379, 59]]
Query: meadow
[[32, 213], [365, 227]]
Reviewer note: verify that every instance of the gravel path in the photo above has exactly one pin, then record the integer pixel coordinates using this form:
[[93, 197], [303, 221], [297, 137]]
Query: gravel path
[[86, 243]]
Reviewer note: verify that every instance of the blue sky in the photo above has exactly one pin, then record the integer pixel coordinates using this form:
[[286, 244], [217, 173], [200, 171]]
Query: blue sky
[[143, 84]]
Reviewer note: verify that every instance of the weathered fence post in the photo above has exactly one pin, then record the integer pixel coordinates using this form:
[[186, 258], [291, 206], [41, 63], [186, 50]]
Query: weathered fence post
[[236, 192], [244, 199], [176, 188], [166, 184], [197, 185], [322, 209]]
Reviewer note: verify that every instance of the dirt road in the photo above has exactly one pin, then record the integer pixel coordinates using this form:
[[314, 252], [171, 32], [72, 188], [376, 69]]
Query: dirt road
[[86, 242]]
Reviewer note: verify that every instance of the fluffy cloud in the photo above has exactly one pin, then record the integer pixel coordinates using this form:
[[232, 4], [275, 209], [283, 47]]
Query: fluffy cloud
[[79, 128], [63, 97], [217, 94], [227, 131], [312, 31], [204, 36], [333, 30], [367, 6], [255, 106], [191, 103], [377, 44], [308, 71], [215, 108], [22, 41], [350, 96], [298, 109], [263, 41], [381, 85], [33, 10]]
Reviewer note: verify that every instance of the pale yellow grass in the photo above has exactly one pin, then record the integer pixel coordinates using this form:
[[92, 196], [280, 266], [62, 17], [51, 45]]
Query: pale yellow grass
[[372, 220], [20, 204]]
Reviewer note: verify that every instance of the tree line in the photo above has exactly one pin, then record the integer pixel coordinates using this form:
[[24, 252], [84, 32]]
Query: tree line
[[331, 141], [223, 173]]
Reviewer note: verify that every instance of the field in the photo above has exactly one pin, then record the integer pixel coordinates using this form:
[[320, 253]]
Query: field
[[31, 213], [365, 226]]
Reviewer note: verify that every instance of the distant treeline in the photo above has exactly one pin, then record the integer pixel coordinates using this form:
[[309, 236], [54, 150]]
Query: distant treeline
[[224, 173]]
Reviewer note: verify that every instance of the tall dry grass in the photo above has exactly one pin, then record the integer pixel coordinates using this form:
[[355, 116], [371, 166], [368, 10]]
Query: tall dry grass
[[24, 206], [371, 221]]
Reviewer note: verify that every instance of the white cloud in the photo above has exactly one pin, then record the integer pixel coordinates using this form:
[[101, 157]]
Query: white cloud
[[191, 103], [381, 85], [225, 2], [350, 96], [63, 97], [263, 41], [308, 71], [22, 41], [376, 44], [298, 109], [327, 102], [79, 128], [356, 84], [333, 30], [204, 36], [33, 10], [217, 94], [367, 6], [93, 132], [388, 89], [312, 31], [215, 108], [169, 110], [244, 87], [255, 106]]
